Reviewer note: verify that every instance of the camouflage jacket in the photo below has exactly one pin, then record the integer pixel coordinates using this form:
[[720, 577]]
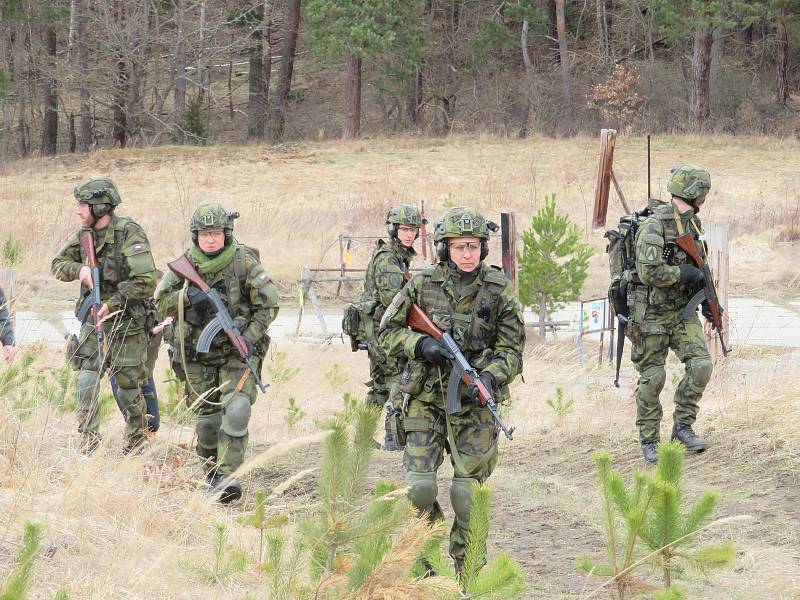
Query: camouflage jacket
[[657, 264], [248, 292], [384, 277], [128, 275], [484, 318], [6, 331]]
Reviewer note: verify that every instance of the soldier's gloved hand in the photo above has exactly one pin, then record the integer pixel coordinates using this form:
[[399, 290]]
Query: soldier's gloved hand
[[706, 311], [251, 347], [197, 297], [488, 380], [430, 350], [691, 275]]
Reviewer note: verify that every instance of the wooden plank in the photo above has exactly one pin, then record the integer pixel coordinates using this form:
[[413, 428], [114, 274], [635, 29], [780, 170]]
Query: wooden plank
[[605, 163], [718, 262]]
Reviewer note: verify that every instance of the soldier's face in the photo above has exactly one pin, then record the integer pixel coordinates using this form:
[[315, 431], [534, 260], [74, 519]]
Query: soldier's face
[[210, 240], [84, 213], [465, 252], [407, 235]]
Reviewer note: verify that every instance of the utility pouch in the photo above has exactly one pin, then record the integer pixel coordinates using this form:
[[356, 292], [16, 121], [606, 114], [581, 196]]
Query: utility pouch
[[413, 378], [72, 351]]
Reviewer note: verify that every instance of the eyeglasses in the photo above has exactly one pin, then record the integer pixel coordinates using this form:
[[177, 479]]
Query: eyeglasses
[[407, 229], [461, 248]]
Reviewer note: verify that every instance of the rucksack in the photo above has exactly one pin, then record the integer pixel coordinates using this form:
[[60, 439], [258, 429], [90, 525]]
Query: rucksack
[[621, 251]]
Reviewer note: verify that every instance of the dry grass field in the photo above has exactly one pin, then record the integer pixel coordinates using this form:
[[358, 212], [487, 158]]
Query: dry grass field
[[117, 528]]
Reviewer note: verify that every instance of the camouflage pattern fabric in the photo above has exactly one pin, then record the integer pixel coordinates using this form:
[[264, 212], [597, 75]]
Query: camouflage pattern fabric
[[252, 300], [128, 280], [484, 317], [657, 324], [383, 280]]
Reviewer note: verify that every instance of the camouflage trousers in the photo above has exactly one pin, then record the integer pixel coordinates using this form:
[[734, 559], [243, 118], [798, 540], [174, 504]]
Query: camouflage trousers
[[221, 396], [649, 353], [125, 354], [475, 437]]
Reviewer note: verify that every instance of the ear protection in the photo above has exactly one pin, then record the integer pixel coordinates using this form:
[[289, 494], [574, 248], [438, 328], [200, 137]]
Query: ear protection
[[443, 250], [100, 210]]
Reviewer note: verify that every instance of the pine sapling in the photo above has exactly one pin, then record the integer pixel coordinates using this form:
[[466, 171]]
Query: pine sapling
[[225, 563], [17, 584]]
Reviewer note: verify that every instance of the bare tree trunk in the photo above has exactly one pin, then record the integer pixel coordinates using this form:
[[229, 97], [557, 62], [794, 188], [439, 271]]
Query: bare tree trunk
[[602, 30], [85, 140], [256, 91], [701, 66], [414, 98], [567, 124], [21, 83], [266, 67], [715, 69], [526, 60], [119, 133], [50, 126], [288, 51], [230, 80], [782, 78], [74, 6], [180, 72], [552, 28], [201, 88], [352, 98]]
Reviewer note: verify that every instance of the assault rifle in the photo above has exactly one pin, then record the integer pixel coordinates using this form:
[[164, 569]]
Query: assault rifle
[[708, 293], [92, 304], [418, 320], [222, 320]]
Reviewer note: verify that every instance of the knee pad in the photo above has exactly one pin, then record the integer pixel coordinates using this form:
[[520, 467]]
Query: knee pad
[[207, 428], [236, 416], [461, 497], [87, 380], [699, 369], [422, 489]]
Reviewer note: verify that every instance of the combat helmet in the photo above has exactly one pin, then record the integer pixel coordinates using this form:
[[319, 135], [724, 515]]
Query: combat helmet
[[461, 222], [403, 214], [691, 183], [100, 193], [212, 215]]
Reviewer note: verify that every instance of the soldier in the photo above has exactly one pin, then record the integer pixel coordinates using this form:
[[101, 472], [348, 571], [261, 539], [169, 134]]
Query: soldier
[[219, 387], [385, 277], [669, 281], [6, 330], [128, 281], [477, 306]]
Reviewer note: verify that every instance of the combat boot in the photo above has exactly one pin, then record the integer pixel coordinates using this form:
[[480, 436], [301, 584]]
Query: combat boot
[[210, 465], [649, 452], [686, 436], [225, 489], [89, 443]]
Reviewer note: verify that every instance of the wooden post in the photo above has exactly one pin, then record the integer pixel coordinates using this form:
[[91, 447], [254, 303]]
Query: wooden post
[[717, 245], [8, 282], [508, 225], [608, 138]]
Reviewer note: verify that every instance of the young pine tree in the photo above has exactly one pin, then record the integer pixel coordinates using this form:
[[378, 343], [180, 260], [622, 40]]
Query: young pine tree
[[553, 262]]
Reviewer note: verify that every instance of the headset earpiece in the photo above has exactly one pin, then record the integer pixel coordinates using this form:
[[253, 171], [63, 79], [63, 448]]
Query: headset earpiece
[[442, 251], [100, 210], [391, 229], [484, 249]]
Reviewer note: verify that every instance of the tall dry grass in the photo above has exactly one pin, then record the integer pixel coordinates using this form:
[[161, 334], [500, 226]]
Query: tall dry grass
[[295, 200]]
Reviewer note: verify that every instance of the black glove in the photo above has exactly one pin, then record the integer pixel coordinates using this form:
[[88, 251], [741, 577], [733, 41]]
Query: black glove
[[706, 311], [691, 275], [197, 298], [488, 380], [430, 350]]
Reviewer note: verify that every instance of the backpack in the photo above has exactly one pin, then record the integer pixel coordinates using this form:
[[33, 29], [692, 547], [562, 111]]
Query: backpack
[[621, 251]]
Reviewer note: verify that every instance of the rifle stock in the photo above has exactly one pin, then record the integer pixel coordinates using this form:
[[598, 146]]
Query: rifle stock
[[686, 243]]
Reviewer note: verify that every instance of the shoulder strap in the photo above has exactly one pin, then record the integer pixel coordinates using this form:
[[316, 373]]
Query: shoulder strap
[[239, 268]]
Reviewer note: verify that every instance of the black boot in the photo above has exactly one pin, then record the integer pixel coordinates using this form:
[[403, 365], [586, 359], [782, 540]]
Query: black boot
[[210, 465], [649, 452], [686, 436], [226, 489]]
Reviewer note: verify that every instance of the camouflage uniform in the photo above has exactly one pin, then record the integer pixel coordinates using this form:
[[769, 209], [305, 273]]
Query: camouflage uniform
[[656, 321], [385, 276], [128, 281], [219, 386], [481, 312]]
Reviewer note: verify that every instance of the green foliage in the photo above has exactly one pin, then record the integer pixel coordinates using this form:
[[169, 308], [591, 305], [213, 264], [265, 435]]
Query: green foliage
[[278, 370], [491, 38], [17, 374], [175, 403], [283, 568], [500, 580], [224, 565], [12, 249], [655, 523], [671, 593], [553, 262], [258, 519], [61, 594], [294, 414], [16, 585], [195, 126], [559, 405], [336, 376], [677, 19]]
